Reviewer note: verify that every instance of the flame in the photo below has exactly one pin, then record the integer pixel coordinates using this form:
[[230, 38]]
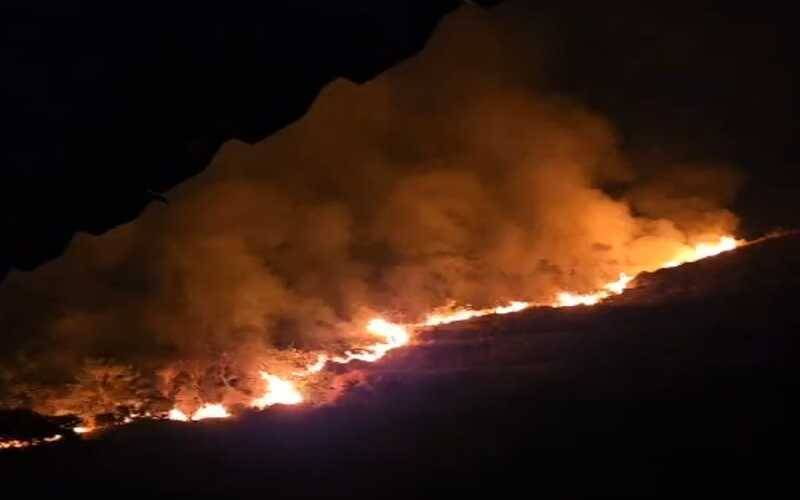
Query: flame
[[177, 415], [569, 299], [279, 392], [317, 366], [206, 411], [15, 444], [703, 250], [394, 335], [210, 411], [449, 314], [688, 254]]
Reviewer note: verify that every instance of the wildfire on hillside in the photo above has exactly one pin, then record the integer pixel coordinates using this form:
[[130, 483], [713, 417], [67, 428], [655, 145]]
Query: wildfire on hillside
[[388, 335]]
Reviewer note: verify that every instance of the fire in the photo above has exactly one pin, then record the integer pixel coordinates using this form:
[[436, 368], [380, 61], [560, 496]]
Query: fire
[[210, 411], [704, 250], [688, 254], [395, 335], [177, 415], [569, 299], [206, 411], [448, 314], [317, 366], [15, 444], [279, 392]]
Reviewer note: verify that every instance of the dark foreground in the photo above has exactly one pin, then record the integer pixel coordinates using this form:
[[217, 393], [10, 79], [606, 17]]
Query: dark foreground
[[684, 385]]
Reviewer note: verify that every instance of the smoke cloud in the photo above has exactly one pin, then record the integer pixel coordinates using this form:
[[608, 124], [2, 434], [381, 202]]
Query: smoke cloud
[[450, 178]]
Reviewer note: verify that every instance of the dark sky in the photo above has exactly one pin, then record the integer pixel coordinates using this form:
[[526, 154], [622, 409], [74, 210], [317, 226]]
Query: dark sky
[[706, 81]]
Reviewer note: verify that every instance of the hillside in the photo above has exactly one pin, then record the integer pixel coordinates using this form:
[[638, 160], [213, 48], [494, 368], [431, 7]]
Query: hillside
[[683, 383]]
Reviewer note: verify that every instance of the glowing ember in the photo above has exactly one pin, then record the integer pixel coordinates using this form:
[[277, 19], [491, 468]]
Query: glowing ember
[[210, 411], [82, 430], [279, 392], [15, 444]]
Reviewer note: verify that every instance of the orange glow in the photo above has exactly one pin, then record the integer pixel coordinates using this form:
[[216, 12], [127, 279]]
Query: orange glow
[[704, 250], [206, 411], [279, 392], [15, 444], [569, 299], [210, 411], [317, 366], [177, 415], [392, 336], [449, 314]]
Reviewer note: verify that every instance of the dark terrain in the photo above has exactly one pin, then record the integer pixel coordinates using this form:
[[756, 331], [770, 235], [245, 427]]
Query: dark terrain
[[683, 384]]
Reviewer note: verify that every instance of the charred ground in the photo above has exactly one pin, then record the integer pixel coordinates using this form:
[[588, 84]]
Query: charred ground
[[684, 382]]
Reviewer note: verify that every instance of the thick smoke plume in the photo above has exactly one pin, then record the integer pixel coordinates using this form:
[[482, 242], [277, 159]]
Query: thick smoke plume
[[450, 178]]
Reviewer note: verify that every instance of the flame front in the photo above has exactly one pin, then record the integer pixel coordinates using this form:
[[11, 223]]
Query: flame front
[[703, 250], [16, 444], [450, 314], [393, 334], [569, 299], [280, 391]]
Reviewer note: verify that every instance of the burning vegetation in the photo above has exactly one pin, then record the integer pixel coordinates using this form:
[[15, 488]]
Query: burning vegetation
[[283, 391], [448, 189]]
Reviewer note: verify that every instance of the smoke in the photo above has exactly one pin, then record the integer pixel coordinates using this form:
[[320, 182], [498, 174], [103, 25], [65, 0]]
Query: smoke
[[450, 178]]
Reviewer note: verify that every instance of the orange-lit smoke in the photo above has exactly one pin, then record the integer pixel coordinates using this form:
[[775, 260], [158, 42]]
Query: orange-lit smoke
[[447, 189]]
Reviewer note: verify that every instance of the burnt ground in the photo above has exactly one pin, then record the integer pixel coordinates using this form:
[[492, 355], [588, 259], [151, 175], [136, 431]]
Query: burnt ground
[[685, 384]]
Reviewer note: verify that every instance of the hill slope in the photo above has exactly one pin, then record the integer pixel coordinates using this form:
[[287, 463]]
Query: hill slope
[[685, 382]]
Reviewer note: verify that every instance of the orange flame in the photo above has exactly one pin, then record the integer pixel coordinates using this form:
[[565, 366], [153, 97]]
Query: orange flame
[[206, 411], [569, 299], [279, 392], [394, 335], [210, 411], [448, 314], [11, 444], [177, 415], [704, 250]]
